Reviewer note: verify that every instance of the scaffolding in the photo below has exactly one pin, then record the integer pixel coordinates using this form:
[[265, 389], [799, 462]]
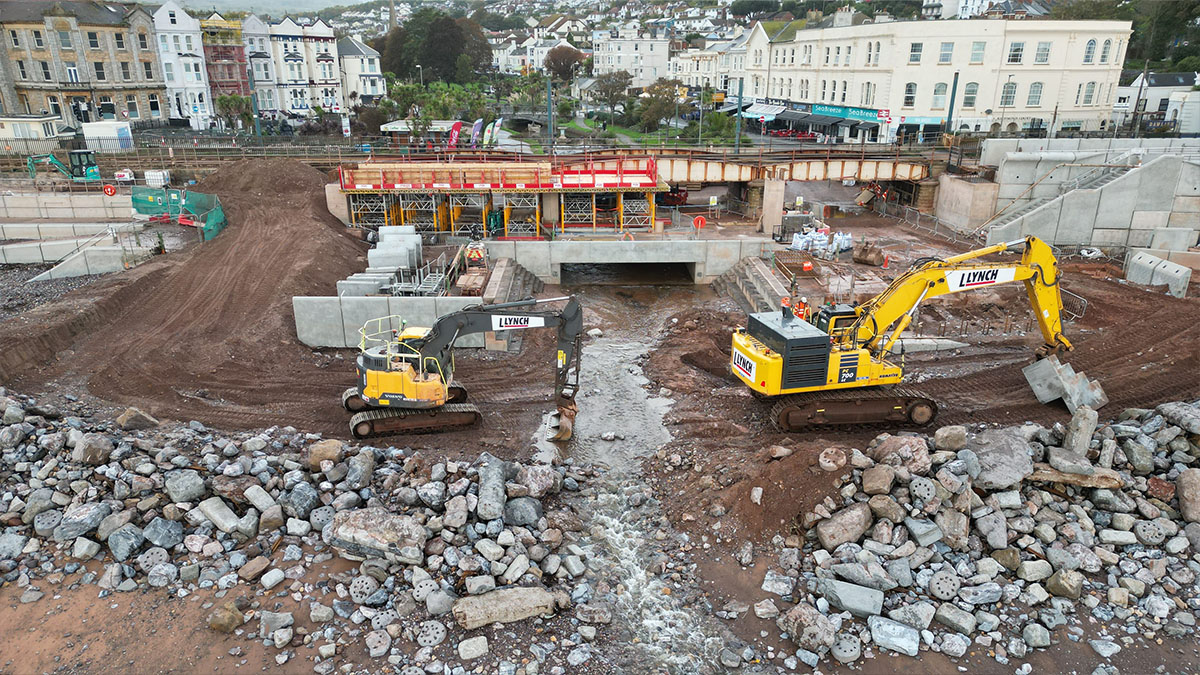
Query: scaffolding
[[468, 213], [578, 209], [373, 210], [636, 210], [522, 214], [427, 280], [422, 211]]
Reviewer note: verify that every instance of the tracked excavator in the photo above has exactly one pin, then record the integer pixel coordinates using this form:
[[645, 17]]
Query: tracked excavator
[[406, 375], [835, 370]]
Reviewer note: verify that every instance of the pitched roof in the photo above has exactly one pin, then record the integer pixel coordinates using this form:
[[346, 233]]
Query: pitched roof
[[348, 46], [1171, 80], [90, 13]]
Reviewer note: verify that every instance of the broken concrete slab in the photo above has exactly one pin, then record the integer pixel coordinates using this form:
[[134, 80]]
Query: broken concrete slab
[[1101, 478], [1051, 379], [503, 606]]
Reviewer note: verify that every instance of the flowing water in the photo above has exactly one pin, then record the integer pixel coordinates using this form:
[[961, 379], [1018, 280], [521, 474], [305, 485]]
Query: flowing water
[[656, 632]]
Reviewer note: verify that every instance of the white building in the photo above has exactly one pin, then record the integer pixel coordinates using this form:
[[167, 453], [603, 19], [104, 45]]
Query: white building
[[182, 56], [256, 36], [643, 53], [1153, 95], [871, 81], [306, 67], [1183, 112], [527, 55], [362, 78]]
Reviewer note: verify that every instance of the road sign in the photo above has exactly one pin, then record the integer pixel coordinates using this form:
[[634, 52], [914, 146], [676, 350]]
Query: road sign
[[110, 190], [345, 126], [698, 222], [883, 114], [712, 200], [762, 120]]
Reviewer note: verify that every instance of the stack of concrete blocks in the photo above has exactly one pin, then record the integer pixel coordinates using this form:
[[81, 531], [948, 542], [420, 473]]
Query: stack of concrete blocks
[[1149, 270], [366, 283], [1051, 379], [399, 247]]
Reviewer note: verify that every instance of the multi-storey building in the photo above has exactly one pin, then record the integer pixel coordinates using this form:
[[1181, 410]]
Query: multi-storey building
[[362, 79], [225, 56], [872, 81], [81, 62], [306, 65], [256, 38], [644, 53], [180, 49]]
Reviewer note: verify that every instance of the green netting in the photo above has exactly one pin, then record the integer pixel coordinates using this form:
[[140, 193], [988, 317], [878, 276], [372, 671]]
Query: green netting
[[202, 209]]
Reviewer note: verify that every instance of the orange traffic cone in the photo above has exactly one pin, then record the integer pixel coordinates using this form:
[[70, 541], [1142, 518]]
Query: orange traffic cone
[[886, 260]]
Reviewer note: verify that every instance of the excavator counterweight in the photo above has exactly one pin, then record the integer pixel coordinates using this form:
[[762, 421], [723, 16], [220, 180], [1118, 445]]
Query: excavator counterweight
[[835, 370]]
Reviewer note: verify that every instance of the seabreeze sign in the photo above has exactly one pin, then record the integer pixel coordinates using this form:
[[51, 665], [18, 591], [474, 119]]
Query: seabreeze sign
[[965, 280], [512, 322], [743, 365]]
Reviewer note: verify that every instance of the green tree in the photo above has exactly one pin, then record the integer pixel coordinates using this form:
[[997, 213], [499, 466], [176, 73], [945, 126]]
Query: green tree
[[231, 107], [562, 61], [748, 7], [476, 47], [659, 101], [610, 89], [439, 50], [1188, 64]]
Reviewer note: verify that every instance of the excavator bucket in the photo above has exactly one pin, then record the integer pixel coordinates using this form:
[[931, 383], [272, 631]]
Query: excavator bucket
[[562, 423], [866, 253]]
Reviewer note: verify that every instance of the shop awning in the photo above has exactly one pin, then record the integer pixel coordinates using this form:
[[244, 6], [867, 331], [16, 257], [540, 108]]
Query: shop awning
[[868, 125], [849, 124], [730, 107], [763, 110], [822, 120], [792, 115]]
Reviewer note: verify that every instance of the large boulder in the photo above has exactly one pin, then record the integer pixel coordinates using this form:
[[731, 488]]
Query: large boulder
[[133, 420], [1187, 489], [1002, 459], [503, 606], [92, 449], [807, 627], [912, 452], [320, 451], [492, 495], [541, 479], [847, 525], [374, 532]]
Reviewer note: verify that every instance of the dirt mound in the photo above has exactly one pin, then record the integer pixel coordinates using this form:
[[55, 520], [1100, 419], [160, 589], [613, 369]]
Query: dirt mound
[[210, 335]]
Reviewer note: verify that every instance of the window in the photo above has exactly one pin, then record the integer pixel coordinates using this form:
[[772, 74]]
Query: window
[[1008, 94], [162, 43], [970, 93], [1079, 94], [93, 40], [37, 39], [823, 90], [148, 70], [837, 55], [845, 86], [939, 95], [175, 38], [877, 50], [143, 43], [946, 55], [1089, 52], [171, 17], [914, 52], [827, 56], [169, 71], [1043, 53], [1016, 52], [47, 129], [45, 70], [187, 40], [910, 94], [847, 56], [21, 70], [99, 67], [155, 111], [125, 74], [870, 45], [107, 110], [64, 39], [1035, 95], [119, 39], [1089, 93], [1162, 102], [131, 106], [1105, 50], [15, 37], [72, 72], [55, 108]]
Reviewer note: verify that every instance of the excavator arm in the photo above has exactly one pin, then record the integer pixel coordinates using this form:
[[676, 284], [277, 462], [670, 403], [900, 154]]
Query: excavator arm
[[439, 341], [883, 318]]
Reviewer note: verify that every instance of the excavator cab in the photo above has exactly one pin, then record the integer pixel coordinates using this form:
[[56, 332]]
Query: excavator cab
[[83, 165], [834, 319]]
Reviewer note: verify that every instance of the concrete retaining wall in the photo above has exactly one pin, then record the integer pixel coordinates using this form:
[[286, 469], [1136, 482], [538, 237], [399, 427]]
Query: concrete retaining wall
[[335, 321], [40, 251], [1186, 258], [41, 231], [994, 149], [965, 204], [82, 206], [1164, 192], [91, 260], [1143, 268], [706, 258]]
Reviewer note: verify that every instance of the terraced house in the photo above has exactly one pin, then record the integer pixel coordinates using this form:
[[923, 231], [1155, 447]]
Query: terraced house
[[81, 62]]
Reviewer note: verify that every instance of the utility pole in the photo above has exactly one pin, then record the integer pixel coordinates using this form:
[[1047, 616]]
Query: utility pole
[[550, 111], [950, 111], [737, 138], [1001, 102], [700, 135], [392, 15], [1137, 103], [254, 102]]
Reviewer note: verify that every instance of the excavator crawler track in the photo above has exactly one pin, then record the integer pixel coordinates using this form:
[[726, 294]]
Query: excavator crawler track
[[386, 422], [353, 402], [861, 407]]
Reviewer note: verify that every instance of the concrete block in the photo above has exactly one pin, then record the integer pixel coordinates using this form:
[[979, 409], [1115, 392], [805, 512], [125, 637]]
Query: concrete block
[[1050, 379], [1149, 220], [1186, 204], [1189, 180], [1077, 216], [1117, 200], [1041, 222], [1173, 238], [1174, 276], [91, 260], [1183, 220], [337, 202], [1136, 238], [1044, 379], [359, 288], [1158, 180], [357, 311], [319, 321]]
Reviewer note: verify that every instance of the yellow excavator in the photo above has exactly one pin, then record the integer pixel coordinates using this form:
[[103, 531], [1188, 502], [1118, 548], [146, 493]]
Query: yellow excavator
[[406, 380], [835, 370]]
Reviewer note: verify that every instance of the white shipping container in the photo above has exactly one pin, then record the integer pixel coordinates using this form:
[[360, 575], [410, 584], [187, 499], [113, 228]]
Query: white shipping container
[[158, 178]]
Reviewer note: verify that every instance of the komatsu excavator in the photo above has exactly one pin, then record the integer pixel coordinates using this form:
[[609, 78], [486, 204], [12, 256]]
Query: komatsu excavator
[[835, 369], [406, 378]]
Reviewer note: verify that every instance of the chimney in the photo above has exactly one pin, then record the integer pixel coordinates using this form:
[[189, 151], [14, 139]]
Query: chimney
[[844, 16], [883, 17]]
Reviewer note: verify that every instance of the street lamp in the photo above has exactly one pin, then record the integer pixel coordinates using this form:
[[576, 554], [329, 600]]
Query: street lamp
[[1002, 106], [421, 74]]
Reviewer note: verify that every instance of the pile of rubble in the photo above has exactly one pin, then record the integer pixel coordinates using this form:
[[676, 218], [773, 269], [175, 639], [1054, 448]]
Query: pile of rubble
[[999, 539], [185, 509]]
